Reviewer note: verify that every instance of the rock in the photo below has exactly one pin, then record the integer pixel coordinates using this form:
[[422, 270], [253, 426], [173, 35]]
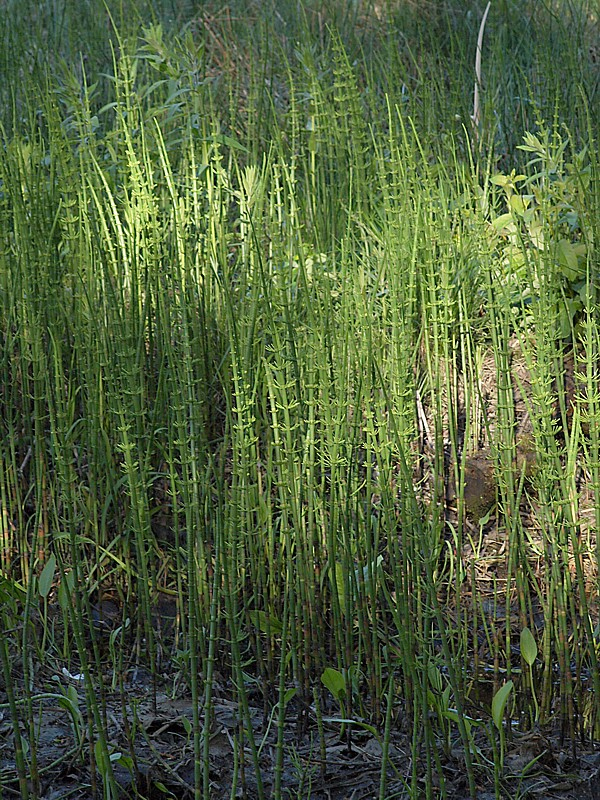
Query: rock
[[480, 478], [480, 484]]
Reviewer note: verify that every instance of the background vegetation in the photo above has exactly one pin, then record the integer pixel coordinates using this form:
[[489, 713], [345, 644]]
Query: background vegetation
[[299, 394]]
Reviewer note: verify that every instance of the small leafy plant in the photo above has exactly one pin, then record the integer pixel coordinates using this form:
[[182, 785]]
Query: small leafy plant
[[541, 237], [529, 652], [499, 702]]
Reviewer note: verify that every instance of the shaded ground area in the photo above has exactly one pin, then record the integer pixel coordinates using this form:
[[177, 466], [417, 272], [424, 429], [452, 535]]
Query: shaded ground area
[[149, 729], [149, 719], [160, 762]]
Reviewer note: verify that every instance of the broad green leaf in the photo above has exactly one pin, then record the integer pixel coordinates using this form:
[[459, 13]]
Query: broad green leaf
[[47, 577], [566, 315], [25, 745], [73, 696], [500, 180], [101, 760], [499, 703], [162, 788], [10, 590], [507, 180], [363, 576], [568, 255], [435, 678], [529, 648], [517, 204], [452, 715], [266, 623], [65, 589], [572, 219], [221, 138], [63, 597], [333, 680], [289, 694], [504, 223], [446, 697], [340, 585], [67, 704], [123, 760], [536, 233]]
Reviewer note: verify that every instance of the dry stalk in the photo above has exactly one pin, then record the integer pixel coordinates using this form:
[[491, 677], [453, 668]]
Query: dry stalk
[[476, 116]]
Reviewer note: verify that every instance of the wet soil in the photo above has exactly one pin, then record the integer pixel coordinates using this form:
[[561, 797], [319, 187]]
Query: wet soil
[[150, 728]]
